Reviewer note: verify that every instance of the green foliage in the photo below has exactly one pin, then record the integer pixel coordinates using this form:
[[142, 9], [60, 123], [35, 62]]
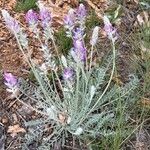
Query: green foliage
[[64, 43], [141, 41], [31, 76], [88, 106], [103, 119], [145, 5], [25, 5]]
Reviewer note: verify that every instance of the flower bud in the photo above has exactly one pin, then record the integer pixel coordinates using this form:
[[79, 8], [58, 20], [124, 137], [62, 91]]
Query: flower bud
[[45, 16], [78, 34], [10, 80], [31, 17], [68, 74], [94, 36], [81, 12], [80, 50], [109, 29], [69, 19], [12, 83]]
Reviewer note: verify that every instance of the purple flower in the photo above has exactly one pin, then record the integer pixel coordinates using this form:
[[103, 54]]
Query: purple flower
[[45, 16], [70, 18], [68, 74], [109, 29], [10, 80], [81, 12], [11, 23], [79, 51], [31, 17], [78, 34]]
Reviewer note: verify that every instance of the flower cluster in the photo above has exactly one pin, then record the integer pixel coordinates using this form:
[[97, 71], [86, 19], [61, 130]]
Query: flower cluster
[[45, 18], [10, 80], [12, 84], [44, 15], [70, 19], [78, 52], [15, 28], [74, 24], [68, 74], [75, 18], [31, 17], [11, 23], [109, 29], [81, 13]]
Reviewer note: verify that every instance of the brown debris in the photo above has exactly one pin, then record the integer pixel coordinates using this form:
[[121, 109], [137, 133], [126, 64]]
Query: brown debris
[[13, 130]]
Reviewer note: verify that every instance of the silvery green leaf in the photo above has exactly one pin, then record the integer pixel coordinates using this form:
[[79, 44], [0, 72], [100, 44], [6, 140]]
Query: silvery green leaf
[[117, 11], [147, 5], [64, 61], [92, 91], [52, 112], [66, 89], [68, 120], [94, 36], [79, 131], [23, 39]]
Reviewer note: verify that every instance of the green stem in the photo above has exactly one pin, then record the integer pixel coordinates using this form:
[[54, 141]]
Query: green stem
[[105, 90], [29, 61], [91, 57]]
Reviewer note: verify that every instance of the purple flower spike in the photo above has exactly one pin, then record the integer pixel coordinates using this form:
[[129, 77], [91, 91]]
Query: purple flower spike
[[31, 17], [10, 80], [78, 34], [69, 19], [45, 16], [81, 12], [68, 74], [11, 23], [79, 51], [109, 29]]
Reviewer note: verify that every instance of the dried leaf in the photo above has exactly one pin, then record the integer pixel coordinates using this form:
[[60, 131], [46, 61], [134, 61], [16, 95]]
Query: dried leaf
[[11, 4], [13, 130], [59, 9], [117, 80], [143, 18], [62, 118], [15, 118], [136, 1]]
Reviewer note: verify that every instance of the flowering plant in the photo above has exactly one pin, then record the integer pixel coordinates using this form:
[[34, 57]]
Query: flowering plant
[[82, 102], [11, 83]]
